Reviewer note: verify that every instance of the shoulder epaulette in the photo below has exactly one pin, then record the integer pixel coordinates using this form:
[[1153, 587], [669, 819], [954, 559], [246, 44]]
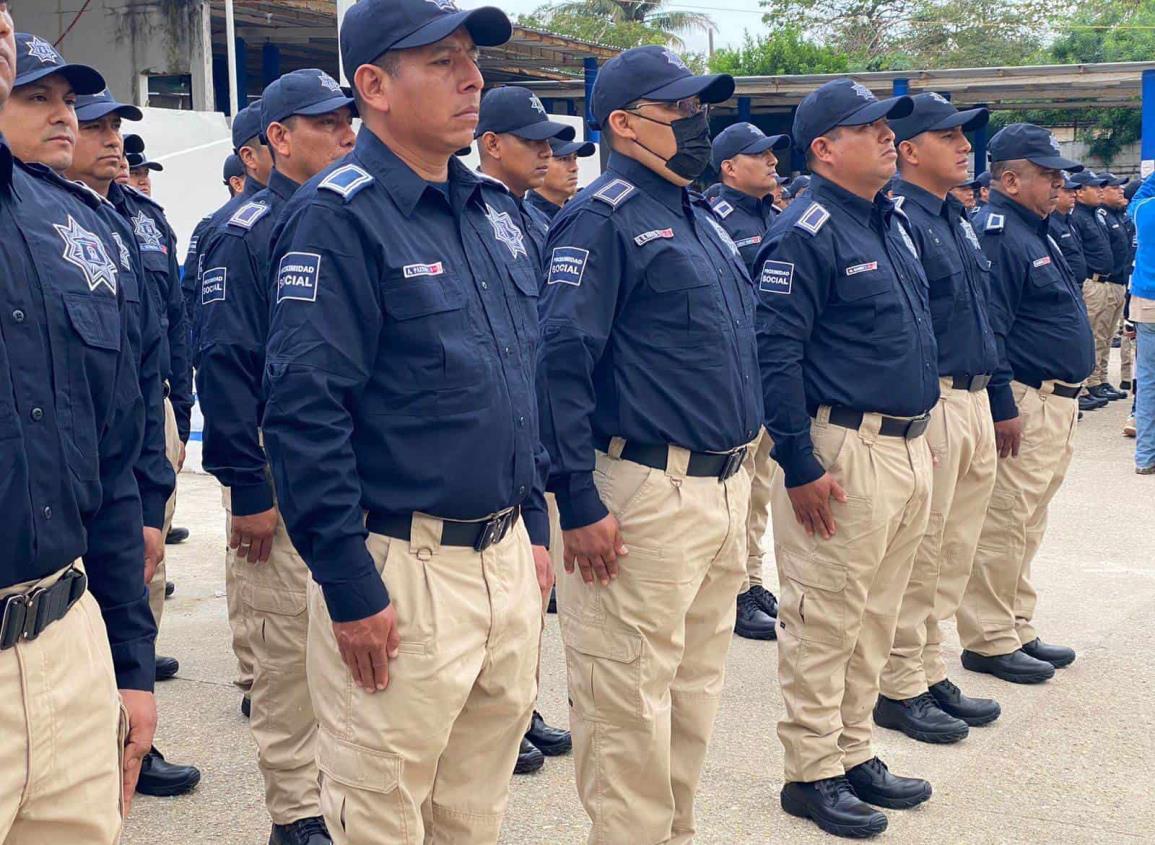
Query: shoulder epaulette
[[347, 181], [78, 189], [722, 208], [615, 192], [995, 223], [248, 214], [813, 218]]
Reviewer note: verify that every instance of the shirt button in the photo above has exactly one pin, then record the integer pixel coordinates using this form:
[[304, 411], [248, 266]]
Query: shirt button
[[508, 351], [485, 285], [521, 421], [521, 490], [47, 512], [18, 316], [37, 414]]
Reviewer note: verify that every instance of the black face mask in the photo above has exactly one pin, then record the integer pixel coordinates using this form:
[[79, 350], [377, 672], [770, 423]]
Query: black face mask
[[692, 140]]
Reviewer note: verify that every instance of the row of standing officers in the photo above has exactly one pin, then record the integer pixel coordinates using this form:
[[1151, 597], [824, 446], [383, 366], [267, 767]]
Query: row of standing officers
[[408, 372]]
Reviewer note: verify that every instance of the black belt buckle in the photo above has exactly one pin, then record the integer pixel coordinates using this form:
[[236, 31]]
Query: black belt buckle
[[733, 464], [13, 620], [917, 427], [493, 532]]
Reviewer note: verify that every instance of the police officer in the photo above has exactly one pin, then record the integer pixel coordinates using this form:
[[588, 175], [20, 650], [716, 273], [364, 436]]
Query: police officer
[[1045, 352], [965, 193], [917, 697], [983, 189], [647, 383], [513, 141], [849, 374], [1114, 214], [401, 425], [140, 170], [307, 123], [561, 177], [71, 417]]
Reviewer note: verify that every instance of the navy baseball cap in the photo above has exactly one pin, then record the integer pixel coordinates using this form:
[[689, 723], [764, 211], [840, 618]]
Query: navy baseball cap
[[973, 184], [372, 27], [247, 124], [984, 179], [744, 139], [1114, 181], [36, 59], [582, 149], [308, 91], [519, 112], [138, 160], [233, 167], [1030, 142], [1089, 179], [95, 106], [933, 113], [652, 73], [133, 144], [1068, 183], [798, 184], [842, 102]]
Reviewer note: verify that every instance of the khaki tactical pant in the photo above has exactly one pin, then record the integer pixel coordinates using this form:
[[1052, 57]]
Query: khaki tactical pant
[[429, 760], [172, 452], [962, 443], [840, 597], [556, 541], [646, 655], [1127, 360], [999, 604], [761, 469], [1104, 309], [62, 729], [234, 586]]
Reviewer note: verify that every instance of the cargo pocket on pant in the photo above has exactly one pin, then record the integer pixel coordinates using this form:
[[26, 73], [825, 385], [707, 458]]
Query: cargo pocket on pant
[[605, 673], [1003, 532], [277, 615], [817, 596], [348, 769]]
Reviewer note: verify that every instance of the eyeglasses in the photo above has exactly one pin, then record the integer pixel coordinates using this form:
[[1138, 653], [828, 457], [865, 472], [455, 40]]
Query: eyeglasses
[[688, 107]]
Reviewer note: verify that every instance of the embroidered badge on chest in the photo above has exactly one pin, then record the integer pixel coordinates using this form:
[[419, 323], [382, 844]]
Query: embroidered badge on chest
[[148, 236], [724, 235], [906, 240], [506, 231], [86, 251], [125, 255], [969, 232]]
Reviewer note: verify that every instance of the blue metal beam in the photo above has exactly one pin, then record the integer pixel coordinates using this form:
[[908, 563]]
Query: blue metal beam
[[270, 63], [744, 109], [900, 87], [1147, 143], [980, 147], [591, 73], [242, 73]]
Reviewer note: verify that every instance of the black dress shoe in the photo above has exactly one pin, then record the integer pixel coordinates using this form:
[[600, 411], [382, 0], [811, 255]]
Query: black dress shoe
[[973, 711], [1087, 402], [751, 622], [1057, 655], [162, 779], [765, 600], [529, 758], [1018, 667], [919, 718], [166, 667], [832, 805], [176, 535], [246, 707], [169, 589], [1110, 392], [552, 606], [874, 784], [302, 832], [552, 742], [1125, 386]]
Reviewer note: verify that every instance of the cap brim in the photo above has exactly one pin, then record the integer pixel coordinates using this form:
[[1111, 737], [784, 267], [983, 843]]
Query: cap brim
[[969, 120], [770, 142], [891, 108], [148, 165], [82, 78], [98, 110], [1056, 163], [488, 26], [331, 105], [543, 130], [582, 149], [715, 88]]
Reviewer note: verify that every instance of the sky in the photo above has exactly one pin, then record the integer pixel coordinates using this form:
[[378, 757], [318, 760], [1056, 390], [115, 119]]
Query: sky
[[732, 17]]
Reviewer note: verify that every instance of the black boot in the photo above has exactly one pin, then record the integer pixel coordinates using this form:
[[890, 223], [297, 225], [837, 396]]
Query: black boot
[[1057, 655], [973, 711], [874, 784], [160, 778], [1018, 667], [552, 606], [919, 718], [529, 758], [176, 535], [766, 600], [166, 667], [552, 742], [1111, 393], [832, 805], [169, 589], [246, 707], [751, 622], [302, 832], [1087, 402]]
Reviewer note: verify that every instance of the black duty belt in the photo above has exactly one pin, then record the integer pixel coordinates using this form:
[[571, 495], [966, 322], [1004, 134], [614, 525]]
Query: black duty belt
[[891, 426], [1067, 391], [719, 465], [24, 616], [478, 536], [971, 383]]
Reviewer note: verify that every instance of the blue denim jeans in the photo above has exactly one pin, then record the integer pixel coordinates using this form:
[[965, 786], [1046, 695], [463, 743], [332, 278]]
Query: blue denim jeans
[[1145, 395]]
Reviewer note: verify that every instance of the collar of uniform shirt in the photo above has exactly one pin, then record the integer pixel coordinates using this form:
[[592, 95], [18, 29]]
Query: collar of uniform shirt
[[917, 194], [649, 182], [5, 165], [1007, 205], [749, 204], [859, 209], [405, 186], [282, 185]]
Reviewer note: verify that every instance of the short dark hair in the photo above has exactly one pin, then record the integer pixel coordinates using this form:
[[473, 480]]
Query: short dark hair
[[998, 168], [833, 132]]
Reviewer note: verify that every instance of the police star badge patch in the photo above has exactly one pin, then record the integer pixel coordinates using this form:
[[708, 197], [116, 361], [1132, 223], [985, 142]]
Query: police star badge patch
[[148, 236], [86, 251], [125, 255], [42, 51], [506, 231]]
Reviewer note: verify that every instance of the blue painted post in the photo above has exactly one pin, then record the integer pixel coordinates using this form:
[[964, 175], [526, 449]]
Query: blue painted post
[[797, 154], [980, 147], [270, 63], [242, 74], [1147, 142], [900, 87], [743, 109], [571, 107], [591, 72]]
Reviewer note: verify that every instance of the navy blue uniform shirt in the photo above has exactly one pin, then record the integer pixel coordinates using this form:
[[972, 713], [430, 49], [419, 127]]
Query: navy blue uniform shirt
[[1062, 229], [647, 330], [71, 413], [843, 319], [400, 362], [540, 203], [1093, 236], [745, 218], [960, 280], [1119, 236], [1037, 308], [232, 323]]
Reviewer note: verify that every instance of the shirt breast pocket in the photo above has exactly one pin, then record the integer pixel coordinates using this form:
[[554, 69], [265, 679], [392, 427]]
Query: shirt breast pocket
[[528, 289], [92, 364], [684, 309], [1047, 286], [868, 300]]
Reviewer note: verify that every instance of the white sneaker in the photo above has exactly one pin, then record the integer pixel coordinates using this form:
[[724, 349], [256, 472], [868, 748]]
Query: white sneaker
[[1129, 427]]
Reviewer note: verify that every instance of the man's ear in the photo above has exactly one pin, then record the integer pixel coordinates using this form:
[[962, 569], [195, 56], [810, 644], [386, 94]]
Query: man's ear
[[822, 149], [372, 84], [277, 136], [619, 122], [491, 144]]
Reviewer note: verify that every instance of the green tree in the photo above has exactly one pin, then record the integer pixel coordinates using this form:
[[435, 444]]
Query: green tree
[[782, 51], [620, 23]]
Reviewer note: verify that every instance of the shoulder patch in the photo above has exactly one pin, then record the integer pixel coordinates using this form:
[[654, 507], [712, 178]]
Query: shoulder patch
[[813, 218], [723, 209], [346, 181], [213, 283], [567, 265], [298, 275], [995, 223], [615, 192], [248, 214], [777, 277]]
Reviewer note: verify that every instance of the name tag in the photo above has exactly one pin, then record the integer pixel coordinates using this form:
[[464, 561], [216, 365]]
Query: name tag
[[645, 237], [1041, 262], [298, 276], [862, 268], [411, 271]]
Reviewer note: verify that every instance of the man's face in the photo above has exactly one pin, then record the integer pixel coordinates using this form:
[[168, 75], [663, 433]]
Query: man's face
[[316, 141], [1090, 195], [1065, 201], [866, 152], [756, 175], [943, 156], [1113, 197], [1036, 188], [40, 122], [123, 173], [525, 163], [141, 179], [99, 150], [649, 122], [964, 195], [7, 53], [984, 194], [561, 176]]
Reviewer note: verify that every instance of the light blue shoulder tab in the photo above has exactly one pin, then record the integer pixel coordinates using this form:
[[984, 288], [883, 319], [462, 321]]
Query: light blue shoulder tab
[[995, 223], [248, 214], [615, 192], [347, 181], [722, 208], [813, 218]]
